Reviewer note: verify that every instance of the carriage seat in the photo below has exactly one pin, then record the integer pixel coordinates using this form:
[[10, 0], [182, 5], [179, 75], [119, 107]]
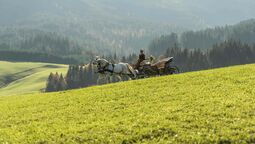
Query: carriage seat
[[161, 64]]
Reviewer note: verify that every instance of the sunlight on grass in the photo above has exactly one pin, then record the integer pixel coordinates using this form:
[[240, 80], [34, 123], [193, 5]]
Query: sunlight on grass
[[23, 78], [214, 106]]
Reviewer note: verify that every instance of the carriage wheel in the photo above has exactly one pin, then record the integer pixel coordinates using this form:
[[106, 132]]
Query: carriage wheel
[[173, 70]]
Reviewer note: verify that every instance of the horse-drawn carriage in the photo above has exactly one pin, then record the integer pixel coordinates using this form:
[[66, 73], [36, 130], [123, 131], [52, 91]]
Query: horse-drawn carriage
[[162, 67], [107, 70]]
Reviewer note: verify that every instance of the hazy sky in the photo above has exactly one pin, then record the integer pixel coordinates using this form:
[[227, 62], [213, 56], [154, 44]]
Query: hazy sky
[[201, 12]]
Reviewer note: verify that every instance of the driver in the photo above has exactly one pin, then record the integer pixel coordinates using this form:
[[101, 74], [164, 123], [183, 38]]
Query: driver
[[141, 59]]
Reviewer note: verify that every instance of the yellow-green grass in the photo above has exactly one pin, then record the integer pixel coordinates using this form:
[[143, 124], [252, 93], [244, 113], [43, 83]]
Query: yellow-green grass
[[23, 78], [214, 106]]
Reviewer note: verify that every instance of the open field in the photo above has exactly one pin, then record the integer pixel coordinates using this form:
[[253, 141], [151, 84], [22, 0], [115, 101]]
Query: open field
[[214, 106], [24, 78]]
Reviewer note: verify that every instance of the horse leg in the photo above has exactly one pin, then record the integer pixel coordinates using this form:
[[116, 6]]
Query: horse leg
[[102, 79], [129, 78], [110, 79], [126, 77], [119, 77], [99, 80]]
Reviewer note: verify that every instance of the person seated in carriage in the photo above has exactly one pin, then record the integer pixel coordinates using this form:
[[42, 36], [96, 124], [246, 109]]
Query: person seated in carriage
[[141, 59]]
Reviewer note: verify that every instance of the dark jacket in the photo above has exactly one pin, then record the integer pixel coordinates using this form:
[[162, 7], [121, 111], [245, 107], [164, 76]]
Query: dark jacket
[[141, 57]]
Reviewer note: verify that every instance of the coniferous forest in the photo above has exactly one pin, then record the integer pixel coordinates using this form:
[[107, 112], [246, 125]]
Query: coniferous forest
[[228, 53], [205, 39], [55, 44], [77, 77]]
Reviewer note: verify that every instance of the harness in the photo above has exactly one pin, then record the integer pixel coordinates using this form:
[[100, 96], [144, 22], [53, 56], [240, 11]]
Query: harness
[[104, 69]]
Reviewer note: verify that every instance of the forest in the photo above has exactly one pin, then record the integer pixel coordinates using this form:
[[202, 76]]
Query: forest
[[24, 56], [228, 53], [53, 44], [38, 46], [205, 39]]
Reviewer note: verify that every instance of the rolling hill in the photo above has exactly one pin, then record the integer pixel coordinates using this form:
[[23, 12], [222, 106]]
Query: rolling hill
[[23, 78], [176, 12], [213, 106], [121, 26]]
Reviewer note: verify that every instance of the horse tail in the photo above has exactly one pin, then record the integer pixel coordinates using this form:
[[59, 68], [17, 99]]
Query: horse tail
[[131, 70]]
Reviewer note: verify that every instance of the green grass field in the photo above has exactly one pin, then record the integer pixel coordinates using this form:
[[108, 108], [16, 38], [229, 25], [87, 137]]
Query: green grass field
[[24, 78], [214, 106]]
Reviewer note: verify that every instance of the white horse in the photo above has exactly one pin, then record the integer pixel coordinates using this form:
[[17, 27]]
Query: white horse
[[108, 70]]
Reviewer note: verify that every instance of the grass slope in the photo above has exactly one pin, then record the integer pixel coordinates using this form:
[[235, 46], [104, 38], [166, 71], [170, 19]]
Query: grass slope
[[214, 106], [23, 78]]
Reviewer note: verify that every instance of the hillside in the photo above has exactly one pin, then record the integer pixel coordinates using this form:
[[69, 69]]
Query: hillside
[[205, 39], [23, 78], [176, 12], [113, 25], [214, 106]]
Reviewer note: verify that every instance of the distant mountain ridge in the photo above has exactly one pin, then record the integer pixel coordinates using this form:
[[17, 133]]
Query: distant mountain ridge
[[121, 26], [196, 12], [205, 39]]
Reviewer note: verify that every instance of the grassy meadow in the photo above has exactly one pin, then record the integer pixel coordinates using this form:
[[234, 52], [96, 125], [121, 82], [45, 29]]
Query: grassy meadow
[[23, 78], [214, 106]]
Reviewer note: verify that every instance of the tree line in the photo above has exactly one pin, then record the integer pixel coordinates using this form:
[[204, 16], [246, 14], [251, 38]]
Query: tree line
[[228, 53], [39, 46], [205, 39], [24, 56], [78, 76], [51, 43]]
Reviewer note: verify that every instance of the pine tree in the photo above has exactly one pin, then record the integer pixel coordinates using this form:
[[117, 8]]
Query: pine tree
[[50, 83], [68, 78], [81, 77], [90, 74], [123, 59], [61, 85], [56, 81]]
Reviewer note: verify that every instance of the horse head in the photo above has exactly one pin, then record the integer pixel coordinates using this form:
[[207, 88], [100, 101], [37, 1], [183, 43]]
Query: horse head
[[95, 61], [101, 63]]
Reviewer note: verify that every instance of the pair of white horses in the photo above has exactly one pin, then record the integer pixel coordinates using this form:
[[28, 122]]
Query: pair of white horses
[[107, 70]]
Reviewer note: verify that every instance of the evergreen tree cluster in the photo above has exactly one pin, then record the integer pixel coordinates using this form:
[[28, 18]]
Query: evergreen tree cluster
[[188, 60], [231, 53], [81, 76], [228, 53], [56, 82], [159, 45], [77, 77], [51, 43]]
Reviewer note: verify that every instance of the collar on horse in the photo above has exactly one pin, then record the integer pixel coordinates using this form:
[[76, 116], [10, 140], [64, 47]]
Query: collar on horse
[[105, 69]]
